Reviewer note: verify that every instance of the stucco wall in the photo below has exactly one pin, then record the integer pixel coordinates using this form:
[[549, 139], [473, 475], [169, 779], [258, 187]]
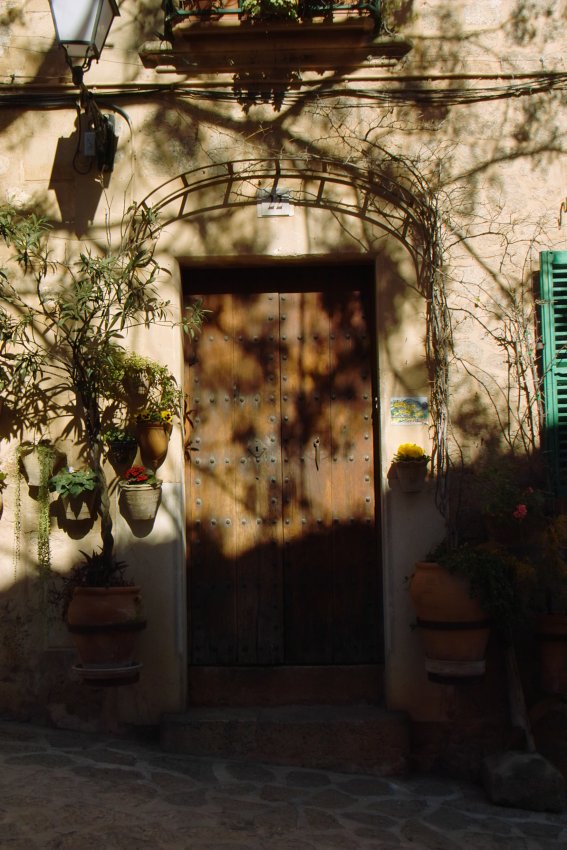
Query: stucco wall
[[499, 164]]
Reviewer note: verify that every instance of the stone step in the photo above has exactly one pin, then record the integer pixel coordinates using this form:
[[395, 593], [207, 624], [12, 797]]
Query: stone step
[[351, 739]]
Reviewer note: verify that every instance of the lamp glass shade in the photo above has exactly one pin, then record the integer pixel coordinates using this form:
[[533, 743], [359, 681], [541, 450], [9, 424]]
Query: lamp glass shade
[[82, 26]]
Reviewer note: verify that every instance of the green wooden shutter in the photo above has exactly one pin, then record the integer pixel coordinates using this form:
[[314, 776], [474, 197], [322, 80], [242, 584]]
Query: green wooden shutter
[[553, 286]]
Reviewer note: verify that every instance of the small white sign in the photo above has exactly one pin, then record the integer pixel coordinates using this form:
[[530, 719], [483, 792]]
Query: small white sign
[[274, 202]]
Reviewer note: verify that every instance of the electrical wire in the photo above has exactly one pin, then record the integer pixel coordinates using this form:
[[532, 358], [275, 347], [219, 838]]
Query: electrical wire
[[408, 92]]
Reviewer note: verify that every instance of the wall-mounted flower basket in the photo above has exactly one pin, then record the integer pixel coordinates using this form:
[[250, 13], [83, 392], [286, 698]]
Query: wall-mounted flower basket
[[410, 467], [153, 439], [137, 386], [411, 476], [80, 508], [37, 461], [140, 501], [78, 490]]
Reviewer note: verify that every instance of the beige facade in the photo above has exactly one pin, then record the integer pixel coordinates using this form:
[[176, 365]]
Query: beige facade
[[463, 107]]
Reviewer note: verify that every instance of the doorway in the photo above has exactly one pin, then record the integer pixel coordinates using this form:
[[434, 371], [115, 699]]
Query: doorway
[[283, 565]]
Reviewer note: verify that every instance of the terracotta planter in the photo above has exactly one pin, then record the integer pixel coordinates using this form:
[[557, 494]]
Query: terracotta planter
[[140, 501], [105, 623], [153, 439], [551, 630], [411, 476], [454, 628]]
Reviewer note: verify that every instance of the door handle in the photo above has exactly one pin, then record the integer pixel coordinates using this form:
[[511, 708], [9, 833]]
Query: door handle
[[316, 443]]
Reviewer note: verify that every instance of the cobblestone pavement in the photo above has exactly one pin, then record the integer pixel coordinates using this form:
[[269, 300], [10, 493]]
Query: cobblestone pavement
[[69, 791]]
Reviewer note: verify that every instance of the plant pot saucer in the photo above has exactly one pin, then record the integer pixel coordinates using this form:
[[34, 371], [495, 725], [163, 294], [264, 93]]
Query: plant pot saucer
[[101, 675]]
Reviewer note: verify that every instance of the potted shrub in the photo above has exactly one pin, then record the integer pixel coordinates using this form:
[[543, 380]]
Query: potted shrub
[[458, 593], [103, 612], [410, 465], [140, 493], [522, 520], [121, 443], [78, 489]]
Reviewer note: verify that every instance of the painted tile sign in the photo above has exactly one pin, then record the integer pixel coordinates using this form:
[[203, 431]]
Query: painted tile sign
[[409, 410]]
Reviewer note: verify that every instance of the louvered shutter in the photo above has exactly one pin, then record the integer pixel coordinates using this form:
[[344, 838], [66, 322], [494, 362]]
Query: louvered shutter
[[553, 287]]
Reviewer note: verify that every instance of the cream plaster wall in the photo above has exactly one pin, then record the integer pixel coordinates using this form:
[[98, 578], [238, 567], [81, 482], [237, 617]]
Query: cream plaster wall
[[502, 168]]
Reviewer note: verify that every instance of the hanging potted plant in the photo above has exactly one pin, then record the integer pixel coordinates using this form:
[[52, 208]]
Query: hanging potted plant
[[3, 484], [140, 493], [121, 444], [103, 612], [153, 426], [38, 461], [410, 466], [78, 490]]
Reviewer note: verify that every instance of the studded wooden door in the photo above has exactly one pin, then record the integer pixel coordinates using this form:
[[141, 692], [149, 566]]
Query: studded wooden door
[[283, 556]]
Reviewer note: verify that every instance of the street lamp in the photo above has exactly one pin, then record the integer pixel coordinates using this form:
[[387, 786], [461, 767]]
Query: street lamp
[[82, 27]]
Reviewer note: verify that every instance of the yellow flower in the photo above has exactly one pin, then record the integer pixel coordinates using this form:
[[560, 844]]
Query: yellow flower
[[166, 415], [410, 452]]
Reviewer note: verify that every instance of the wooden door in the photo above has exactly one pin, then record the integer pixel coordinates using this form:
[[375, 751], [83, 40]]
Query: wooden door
[[282, 556]]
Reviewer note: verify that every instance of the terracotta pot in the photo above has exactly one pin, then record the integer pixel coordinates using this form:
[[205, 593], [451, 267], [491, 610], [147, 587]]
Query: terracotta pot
[[454, 627], [411, 476], [153, 439], [551, 630], [140, 501], [105, 622]]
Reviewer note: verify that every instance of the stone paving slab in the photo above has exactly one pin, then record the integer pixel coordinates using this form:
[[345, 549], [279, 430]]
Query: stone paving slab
[[71, 791]]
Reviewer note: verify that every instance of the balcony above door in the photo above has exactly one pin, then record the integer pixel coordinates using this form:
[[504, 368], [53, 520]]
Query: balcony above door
[[242, 35]]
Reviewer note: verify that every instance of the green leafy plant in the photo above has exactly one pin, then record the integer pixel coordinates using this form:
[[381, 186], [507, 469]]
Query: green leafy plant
[[270, 10], [139, 475], [46, 455], [102, 295], [117, 434], [74, 482], [3, 480], [492, 579]]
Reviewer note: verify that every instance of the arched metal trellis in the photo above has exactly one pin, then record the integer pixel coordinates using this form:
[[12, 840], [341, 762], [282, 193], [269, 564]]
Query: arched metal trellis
[[390, 201], [391, 195]]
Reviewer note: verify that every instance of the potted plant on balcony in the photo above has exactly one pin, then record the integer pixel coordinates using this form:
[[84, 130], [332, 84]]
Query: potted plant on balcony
[[140, 493], [78, 489], [410, 467], [270, 10]]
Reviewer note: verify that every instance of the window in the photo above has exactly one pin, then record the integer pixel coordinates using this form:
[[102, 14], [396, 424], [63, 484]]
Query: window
[[553, 289]]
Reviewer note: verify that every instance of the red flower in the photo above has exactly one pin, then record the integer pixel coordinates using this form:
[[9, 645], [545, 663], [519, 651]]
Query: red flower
[[521, 512]]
